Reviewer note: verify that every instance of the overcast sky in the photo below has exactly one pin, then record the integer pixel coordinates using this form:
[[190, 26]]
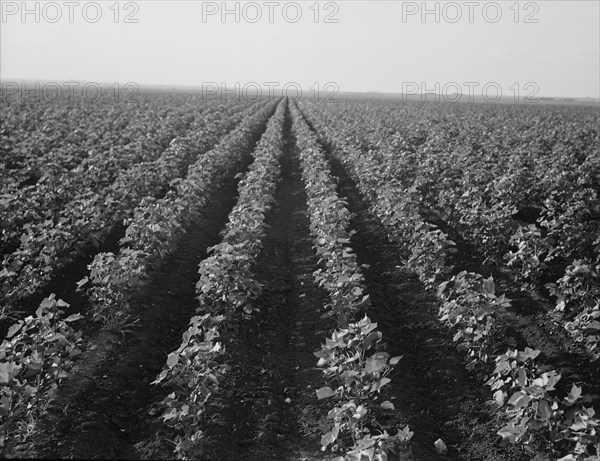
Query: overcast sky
[[547, 47]]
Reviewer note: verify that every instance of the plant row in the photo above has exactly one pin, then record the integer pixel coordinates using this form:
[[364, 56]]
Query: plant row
[[577, 291], [523, 386], [109, 139], [43, 138], [226, 289], [520, 185], [39, 350], [156, 223], [36, 355], [87, 219], [355, 366]]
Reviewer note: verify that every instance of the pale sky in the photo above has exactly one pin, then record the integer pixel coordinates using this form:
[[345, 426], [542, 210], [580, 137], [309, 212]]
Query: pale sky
[[384, 46]]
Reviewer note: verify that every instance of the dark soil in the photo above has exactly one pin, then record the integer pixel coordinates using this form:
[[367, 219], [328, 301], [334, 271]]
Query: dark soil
[[102, 411], [474, 424], [267, 408], [431, 389], [533, 325], [64, 281]]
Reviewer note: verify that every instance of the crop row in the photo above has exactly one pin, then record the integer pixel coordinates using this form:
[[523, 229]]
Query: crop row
[[156, 223], [87, 219], [59, 189], [36, 355], [537, 216], [59, 177], [39, 350], [41, 141], [523, 194], [353, 361], [523, 387], [225, 290]]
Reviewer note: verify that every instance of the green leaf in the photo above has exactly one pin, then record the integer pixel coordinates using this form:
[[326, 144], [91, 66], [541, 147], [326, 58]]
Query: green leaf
[[595, 325], [395, 360], [376, 363], [512, 433], [13, 330], [61, 303], [325, 393], [82, 282], [8, 371], [573, 395], [330, 436], [384, 381], [440, 446], [522, 377], [172, 359], [387, 405], [519, 399], [353, 456], [74, 317], [46, 303], [544, 410], [499, 397], [163, 374], [404, 435], [528, 353], [488, 286], [371, 339]]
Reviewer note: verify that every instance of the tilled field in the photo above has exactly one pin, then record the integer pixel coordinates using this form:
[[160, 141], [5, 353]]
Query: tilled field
[[292, 292]]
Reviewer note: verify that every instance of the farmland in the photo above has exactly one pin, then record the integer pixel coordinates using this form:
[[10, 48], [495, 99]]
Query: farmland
[[195, 278]]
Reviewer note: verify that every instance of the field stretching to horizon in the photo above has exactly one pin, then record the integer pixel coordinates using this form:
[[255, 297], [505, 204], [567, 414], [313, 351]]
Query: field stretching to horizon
[[366, 279]]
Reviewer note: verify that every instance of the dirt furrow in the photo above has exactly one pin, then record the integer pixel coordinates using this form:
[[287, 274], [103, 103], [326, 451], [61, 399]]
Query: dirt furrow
[[431, 388], [102, 410], [267, 408], [533, 325], [64, 281]]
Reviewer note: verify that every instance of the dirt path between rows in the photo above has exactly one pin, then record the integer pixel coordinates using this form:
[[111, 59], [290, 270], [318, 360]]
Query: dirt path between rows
[[533, 325], [102, 409], [64, 281], [431, 389], [267, 408]]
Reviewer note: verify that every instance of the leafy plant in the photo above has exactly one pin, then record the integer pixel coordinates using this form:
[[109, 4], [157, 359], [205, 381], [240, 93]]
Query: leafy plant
[[356, 376], [357, 370], [225, 287], [471, 307], [525, 390], [36, 355]]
